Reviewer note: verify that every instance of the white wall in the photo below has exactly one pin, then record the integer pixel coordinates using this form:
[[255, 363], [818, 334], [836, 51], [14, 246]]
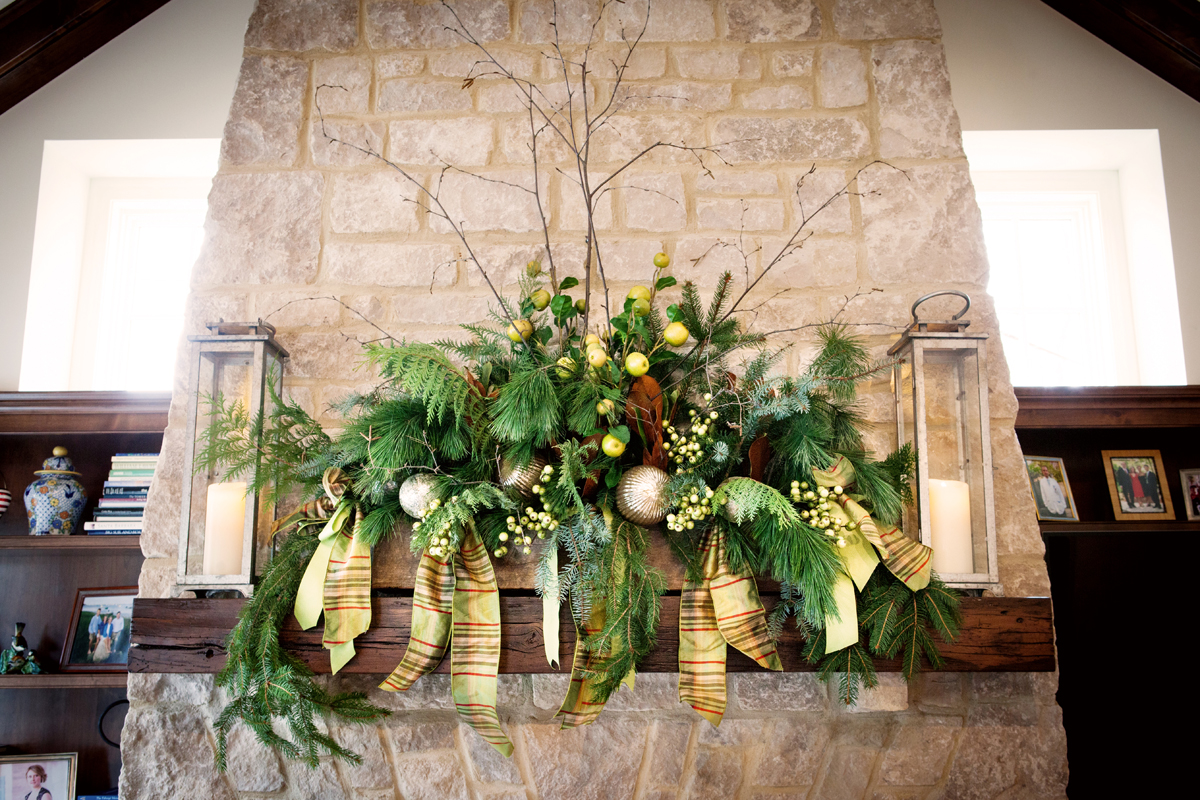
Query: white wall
[[170, 76], [1020, 65]]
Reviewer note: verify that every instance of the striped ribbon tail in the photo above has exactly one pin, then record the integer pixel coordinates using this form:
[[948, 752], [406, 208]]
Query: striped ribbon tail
[[740, 613], [701, 653], [582, 705], [911, 562], [347, 601], [432, 613], [475, 643]]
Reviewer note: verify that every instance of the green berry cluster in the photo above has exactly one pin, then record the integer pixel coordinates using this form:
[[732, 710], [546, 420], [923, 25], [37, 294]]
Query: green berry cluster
[[693, 508], [815, 505], [687, 451], [532, 521], [442, 542]]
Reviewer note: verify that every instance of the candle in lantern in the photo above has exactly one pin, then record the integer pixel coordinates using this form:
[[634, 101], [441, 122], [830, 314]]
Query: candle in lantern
[[950, 521], [224, 521]]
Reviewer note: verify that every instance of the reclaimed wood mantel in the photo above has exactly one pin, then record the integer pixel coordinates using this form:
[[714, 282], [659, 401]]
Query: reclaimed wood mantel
[[999, 634]]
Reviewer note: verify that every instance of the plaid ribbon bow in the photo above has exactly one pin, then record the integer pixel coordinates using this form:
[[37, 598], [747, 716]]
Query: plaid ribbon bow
[[723, 608], [910, 561], [337, 581], [456, 604]]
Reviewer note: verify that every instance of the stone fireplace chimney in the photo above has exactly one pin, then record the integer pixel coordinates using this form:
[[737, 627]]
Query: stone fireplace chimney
[[309, 235]]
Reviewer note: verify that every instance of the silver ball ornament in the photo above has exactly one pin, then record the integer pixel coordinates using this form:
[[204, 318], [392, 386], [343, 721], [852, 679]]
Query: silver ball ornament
[[417, 493], [641, 496], [523, 478]]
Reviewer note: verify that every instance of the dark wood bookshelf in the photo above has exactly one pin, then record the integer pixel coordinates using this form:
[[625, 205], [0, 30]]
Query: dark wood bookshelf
[[108, 680], [16, 542]]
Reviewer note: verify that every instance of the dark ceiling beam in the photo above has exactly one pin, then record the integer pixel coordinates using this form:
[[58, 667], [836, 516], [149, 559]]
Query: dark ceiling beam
[[1161, 35], [42, 39]]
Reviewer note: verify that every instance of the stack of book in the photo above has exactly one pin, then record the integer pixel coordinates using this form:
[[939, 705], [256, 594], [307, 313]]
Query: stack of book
[[123, 501]]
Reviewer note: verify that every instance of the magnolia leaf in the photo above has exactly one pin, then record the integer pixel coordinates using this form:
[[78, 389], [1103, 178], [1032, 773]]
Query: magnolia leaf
[[663, 283], [673, 313], [568, 283]]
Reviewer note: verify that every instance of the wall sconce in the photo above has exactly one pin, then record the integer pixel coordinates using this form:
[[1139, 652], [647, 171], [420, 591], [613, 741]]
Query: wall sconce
[[940, 386], [218, 533]]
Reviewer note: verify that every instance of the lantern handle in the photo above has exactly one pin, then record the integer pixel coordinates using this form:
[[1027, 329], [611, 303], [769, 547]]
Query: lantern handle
[[931, 295]]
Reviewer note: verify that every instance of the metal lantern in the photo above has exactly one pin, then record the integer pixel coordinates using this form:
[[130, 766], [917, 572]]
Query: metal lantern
[[219, 536], [941, 392]]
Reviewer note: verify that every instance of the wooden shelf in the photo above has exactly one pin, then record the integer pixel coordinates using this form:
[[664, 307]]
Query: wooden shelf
[[104, 680], [70, 542], [1069, 528], [999, 634], [1108, 407], [84, 412]]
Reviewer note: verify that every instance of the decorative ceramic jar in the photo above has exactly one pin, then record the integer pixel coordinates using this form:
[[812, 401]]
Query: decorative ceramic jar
[[54, 502], [5, 495]]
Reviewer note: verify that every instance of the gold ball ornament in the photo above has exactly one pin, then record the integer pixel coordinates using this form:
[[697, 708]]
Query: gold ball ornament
[[417, 493], [641, 495], [522, 478]]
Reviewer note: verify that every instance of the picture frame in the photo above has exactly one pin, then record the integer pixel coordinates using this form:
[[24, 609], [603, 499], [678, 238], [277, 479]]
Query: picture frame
[[1050, 489], [50, 776], [1189, 479], [98, 635], [1137, 485]]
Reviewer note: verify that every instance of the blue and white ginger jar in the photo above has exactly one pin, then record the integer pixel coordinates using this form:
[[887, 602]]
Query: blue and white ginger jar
[[54, 502]]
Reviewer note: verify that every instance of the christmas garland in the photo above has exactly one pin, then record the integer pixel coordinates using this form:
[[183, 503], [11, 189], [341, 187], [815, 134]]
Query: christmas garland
[[535, 433]]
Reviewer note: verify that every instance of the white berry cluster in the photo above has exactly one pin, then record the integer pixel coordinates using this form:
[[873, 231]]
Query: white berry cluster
[[693, 508], [815, 507], [531, 521], [687, 451], [442, 541]]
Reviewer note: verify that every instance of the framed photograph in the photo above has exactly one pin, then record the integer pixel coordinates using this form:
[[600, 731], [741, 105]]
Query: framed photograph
[[98, 636], [1190, 480], [1050, 489], [1137, 485], [41, 777]]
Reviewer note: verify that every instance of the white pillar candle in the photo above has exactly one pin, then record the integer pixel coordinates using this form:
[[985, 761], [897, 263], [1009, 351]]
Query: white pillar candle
[[950, 523], [224, 521]]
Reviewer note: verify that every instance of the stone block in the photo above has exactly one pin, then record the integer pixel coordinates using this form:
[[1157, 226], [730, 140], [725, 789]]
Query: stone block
[[1024, 576], [937, 691], [920, 752], [916, 114], [262, 228], [653, 202], [754, 139], [740, 215], [491, 201], [732, 733], [671, 739], [169, 689], [373, 772], [389, 264], [516, 143], [398, 65], [778, 98], [652, 691], [703, 259], [797, 751], [550, 689], [157, 578], [737, 183], [922, 225], [809, 190], [645, 62], [341, 143], [623, 137], [342, 85], [374, 202], [843, 77], [439, 308], [632, 261], [321, 783], [819, 262], [886, 19], [466, 62], [565, 766], [296, 309], [411, 737], [848, 774], [160, 533], [429, 692], [992, 760], [707, 64], [685, 96], [890, 695], [771, 20], [718, 772], [251, 766], [490, 766], [263, 127], [1021, 714], [778, 691], [677, 21], [322, 355], [462, 142], [362, 307], [572, 210], [305, 25], [505, 264], [402, 24], [567, 21], [418, 96], [176, 738], [501, 98], [792, 63]]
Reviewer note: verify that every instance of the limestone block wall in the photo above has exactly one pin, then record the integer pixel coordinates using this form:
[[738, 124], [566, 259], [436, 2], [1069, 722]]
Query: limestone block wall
[[309, 235]]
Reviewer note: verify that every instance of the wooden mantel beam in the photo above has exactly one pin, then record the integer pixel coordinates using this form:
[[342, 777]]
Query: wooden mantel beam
[[999, 634]]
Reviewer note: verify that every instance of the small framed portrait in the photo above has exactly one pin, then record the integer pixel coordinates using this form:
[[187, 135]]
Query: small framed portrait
[[1190, 480], [1137, 485], [98, 636], [1050, 489], [41, 777]]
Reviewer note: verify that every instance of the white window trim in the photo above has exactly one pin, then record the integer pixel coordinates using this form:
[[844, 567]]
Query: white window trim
[[1136, 157], [69, 169]]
